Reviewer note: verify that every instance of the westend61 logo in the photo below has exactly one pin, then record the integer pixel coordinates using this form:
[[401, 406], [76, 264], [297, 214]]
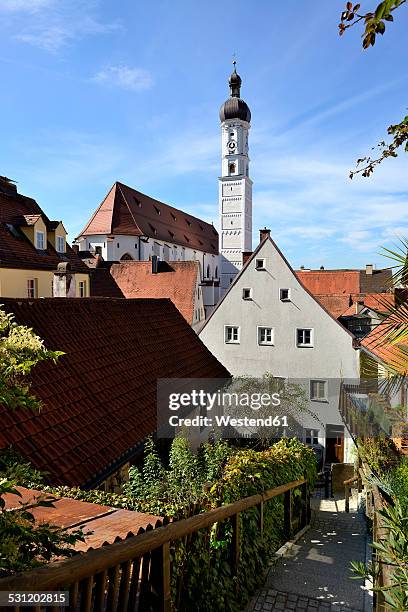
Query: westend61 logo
[[217, 402]]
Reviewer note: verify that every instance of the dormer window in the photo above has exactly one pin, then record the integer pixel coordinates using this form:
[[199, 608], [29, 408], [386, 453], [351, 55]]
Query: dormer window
[[157, 209], [40, 241], [60, 244]]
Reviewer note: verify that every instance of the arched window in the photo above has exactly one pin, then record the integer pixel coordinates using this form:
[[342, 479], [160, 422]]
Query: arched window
[[216, 272], [126, 257], [231, 168], [208, 271]]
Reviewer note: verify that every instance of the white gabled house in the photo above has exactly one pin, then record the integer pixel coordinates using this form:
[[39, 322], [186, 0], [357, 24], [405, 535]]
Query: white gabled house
[[269, 322]]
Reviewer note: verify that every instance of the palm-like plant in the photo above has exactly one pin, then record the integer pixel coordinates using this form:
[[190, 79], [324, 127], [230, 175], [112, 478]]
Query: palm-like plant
[[391, 335]]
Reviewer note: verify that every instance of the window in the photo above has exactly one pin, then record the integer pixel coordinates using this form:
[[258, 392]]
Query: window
[[98, 250], [32, 288], [40, 241], [260, 264], [216, 272], [265, 336], [247, 293], [60, 244], [312, 436], [304, 337], [208, 271], [284, 295], [118, 245], [318, 390], [231, 334], [82, 289], [231, 168]]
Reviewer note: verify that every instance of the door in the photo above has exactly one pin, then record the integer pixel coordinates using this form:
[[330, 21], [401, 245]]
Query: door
[[334, 443]]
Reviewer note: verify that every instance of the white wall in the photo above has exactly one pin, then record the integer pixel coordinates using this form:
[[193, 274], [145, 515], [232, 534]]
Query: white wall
[[331, 358]]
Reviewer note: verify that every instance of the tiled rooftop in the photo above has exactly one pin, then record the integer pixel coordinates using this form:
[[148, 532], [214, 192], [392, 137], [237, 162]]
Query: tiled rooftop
[[125, 211], [99, 401], [16, 250], [174, 280]]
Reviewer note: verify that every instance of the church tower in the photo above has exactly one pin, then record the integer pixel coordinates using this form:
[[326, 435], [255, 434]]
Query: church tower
[[235, 186]]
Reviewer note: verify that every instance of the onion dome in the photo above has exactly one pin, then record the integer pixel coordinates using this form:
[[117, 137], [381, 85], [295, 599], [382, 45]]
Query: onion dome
[[235, 107]]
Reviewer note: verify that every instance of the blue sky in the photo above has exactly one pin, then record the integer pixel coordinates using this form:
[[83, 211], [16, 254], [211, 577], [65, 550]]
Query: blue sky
[[94, 91]]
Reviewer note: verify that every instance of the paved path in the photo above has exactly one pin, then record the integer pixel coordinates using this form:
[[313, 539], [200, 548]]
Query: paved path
[[315, 574]]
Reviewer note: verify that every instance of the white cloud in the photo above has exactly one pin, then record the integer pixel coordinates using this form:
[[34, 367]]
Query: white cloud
[[26, 6], [135, 79], [52, 24]]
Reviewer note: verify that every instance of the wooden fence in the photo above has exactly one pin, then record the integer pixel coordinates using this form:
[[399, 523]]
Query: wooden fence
[[133, 575], [374, 504]]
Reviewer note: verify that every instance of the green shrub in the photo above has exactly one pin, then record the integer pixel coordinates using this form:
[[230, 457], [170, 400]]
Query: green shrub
[[399, 484]]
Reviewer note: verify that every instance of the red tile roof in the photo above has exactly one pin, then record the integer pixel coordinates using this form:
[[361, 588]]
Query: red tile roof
[[107, 524], [16, 250], [99, 401], [176, 280], [125, 211], [341, 282], [329, 282], [380, 302], [335, 304], [377, 343]]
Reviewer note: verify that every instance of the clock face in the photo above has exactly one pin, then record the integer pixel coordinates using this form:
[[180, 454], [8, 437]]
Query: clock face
[[232, 145]]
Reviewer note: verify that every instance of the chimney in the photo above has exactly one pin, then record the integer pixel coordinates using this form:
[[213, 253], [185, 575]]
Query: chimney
[[7, 185], [322, 267], [359, 306], [64, 281], [302, 267], [369, 269], [155, 264], [245, 256], [264, 234]]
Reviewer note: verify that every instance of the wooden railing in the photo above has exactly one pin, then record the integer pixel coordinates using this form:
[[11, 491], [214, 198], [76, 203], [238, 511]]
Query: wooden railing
[[374, 504], [134, 574]]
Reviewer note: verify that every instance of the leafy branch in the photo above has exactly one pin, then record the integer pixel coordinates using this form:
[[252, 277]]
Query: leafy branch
[[374, 24]]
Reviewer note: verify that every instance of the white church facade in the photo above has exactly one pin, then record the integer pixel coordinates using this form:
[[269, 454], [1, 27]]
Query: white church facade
[[129, 225]]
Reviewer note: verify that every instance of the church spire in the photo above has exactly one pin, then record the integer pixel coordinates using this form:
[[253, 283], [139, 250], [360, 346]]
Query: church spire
[[235, 82]]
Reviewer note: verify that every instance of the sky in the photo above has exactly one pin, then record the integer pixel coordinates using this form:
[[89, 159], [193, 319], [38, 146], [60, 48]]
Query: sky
[[95, 91]]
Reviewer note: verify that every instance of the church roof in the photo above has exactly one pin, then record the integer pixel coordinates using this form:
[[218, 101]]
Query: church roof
[[99, 399], [126, 211]]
